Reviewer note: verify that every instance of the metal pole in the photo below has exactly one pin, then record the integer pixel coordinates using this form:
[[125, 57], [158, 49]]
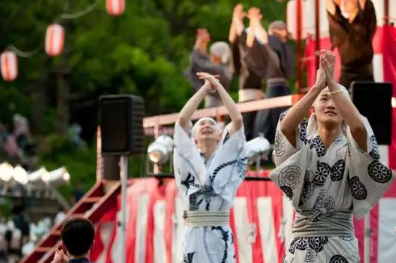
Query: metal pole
[[122, 224], [367, 237], [317, 30], [386, 12], [299, 45]]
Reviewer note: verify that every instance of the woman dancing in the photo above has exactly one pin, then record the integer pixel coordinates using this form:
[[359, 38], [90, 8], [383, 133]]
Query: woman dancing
[[329, 169], [209, 167]]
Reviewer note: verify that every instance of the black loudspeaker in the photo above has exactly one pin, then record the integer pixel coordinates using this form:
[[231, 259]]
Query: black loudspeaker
[[374, 101], [121, 124]]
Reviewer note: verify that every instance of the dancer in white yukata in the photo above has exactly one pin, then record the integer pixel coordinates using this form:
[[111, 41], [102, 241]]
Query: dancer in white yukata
[[330, 170], [209, 168]]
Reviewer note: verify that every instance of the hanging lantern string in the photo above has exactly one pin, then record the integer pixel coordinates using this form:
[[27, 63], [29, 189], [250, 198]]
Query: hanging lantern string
[[81, 13], [24, 54], [28, 54]]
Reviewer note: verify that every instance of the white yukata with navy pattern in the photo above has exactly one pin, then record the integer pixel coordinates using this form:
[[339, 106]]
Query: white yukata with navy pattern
[[323, 181], [209, 186]]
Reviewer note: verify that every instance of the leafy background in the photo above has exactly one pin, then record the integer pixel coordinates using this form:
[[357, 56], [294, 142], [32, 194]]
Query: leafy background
[[142, 52]]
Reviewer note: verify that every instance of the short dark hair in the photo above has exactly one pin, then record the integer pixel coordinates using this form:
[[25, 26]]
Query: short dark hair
[[78, 235]]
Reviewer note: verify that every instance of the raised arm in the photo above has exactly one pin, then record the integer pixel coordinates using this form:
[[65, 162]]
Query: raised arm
[[369, 17], [192, 104], [296, 114], [362, 4], [331, 7], [255, 27], [237, 19], [235, 115], [346, 107]]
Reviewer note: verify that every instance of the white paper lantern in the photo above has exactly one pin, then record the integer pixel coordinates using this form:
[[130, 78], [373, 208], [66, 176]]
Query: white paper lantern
[[9, 65], [115, 7], [291, 19], [54, 40]]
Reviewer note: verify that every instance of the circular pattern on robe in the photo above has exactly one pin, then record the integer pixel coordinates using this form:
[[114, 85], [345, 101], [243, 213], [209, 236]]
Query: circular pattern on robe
[[317, 144], [307, 191], [279, 144], [290, 176], [359, 191], [338, 259], [316, 243], [310, 256], [375, 151], [322, 172], [379, 172], [299, 244], [337, 171], [324, 205], [287, 191]]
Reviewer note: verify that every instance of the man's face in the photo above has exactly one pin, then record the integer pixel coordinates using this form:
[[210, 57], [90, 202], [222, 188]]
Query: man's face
[[215, 59], [205, 131], [325, 110]]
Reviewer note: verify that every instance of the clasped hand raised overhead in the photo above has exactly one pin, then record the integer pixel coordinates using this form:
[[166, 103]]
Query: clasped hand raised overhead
[[325, 73], [212, 83]]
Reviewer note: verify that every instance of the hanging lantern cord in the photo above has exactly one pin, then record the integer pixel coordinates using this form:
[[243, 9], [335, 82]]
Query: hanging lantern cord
[[23, 54], [81, 13]]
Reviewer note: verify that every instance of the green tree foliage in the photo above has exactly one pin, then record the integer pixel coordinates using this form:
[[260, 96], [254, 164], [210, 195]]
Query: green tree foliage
[[142, 52]]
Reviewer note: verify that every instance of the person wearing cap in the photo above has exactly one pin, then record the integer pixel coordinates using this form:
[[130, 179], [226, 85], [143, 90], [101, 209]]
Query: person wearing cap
[[329, 168], [216, 63], [352, 26], [272, 58], [209, 168], [250, 86]]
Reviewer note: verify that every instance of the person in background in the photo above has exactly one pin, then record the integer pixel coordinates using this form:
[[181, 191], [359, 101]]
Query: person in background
[[249, 81], [77, 193], [352, 27], [18, 231], [272, 59], [77, 237], [216, 63]]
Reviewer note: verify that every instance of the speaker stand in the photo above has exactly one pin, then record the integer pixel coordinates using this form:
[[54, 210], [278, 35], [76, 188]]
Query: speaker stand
[[122, 223]]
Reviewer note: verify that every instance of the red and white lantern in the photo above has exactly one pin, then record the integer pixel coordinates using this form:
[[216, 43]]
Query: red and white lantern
[[115, 7], [54, 40], [9, 65]]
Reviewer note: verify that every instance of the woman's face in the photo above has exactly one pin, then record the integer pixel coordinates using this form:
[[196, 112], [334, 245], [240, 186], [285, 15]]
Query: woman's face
[[325, 109], [206, 130]]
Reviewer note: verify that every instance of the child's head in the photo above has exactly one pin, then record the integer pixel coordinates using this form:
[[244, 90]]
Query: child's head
[[77, 236]]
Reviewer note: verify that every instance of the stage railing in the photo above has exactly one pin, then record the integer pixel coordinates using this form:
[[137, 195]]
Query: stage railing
[[153, 125]]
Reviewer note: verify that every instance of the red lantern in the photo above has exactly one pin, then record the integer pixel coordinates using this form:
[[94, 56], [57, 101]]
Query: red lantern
[[9, 65], [115, 7], [54, 40]]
